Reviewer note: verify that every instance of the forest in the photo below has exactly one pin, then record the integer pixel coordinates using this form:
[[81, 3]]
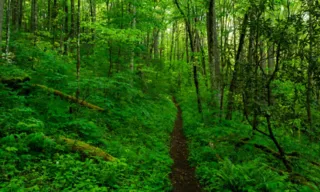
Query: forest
[[159, 95]]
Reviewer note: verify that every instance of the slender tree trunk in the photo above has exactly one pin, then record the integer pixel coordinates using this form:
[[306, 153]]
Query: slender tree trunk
[[263, 56], [310, 67], [174, 26], [20, 14], [156, 43], [187, 47], [34, 16], [93, 17], [203, 61], [177, 44], [133, 27], [110, 59], [13, 15], [172, 42], [72, 19], [49, 16], [1, 21], [66, 27], [8, 27], [268, 116], [270, 57], [195, 68], [17, 15], [233, 84], [54, 20], [193, 60], [162, 47], [78, 49]]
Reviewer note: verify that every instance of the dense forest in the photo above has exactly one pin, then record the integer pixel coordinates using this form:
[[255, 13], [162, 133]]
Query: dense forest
[[159, 95]]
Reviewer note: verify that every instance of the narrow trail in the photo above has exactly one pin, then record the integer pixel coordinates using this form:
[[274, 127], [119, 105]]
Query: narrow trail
[[182, 176]]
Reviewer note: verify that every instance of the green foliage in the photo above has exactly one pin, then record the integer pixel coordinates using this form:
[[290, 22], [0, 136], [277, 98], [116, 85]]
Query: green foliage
[[133, 128], [248, 176], [224, 163]]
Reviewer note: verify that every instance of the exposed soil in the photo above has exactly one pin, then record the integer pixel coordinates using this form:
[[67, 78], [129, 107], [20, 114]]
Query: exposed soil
[[182, 176]]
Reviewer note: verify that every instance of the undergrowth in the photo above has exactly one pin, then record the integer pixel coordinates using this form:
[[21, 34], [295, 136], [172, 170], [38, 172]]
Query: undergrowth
[[133, 129], [224, 163]]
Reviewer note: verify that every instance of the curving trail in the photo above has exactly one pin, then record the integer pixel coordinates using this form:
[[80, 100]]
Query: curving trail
[[182, 176]]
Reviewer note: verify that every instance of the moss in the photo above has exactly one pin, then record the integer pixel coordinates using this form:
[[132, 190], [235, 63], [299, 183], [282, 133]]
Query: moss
[[69, 97], [86, 149]]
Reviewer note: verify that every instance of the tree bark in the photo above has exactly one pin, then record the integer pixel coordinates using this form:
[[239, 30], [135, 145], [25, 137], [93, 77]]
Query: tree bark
[[156, 44], [66, 27], [78, 50], [8, 27], [17, 15], [133, 27], [270, 58], [93, 17], [54, 20], [213, 49], [86, 149], [162, 46], [72, 19], [172, 43], [34, 16], [1, 21], [49, 16], [20, 13]]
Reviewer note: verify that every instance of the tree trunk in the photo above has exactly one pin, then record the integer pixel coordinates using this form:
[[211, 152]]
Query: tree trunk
[[34, 16], [85, 149], [49, 16], [162, 46], [93, 17], [72, 19], [172, 42], [156, 43], [8, 27], [20, 13], [69, 97], [233, 84], [78, 50], [1, 21], [66, 27], [310, 67], [270, 57], [193, 60], [213, 50], [54, 20], [133, 27], [268, 116], [17, 15]]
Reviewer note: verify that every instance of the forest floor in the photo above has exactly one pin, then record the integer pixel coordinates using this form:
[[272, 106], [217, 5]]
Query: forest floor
[[182, 176]]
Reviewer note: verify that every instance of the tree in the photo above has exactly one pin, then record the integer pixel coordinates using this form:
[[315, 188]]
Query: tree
[[8, 27], [213, 50], [193, 51], [1, 21]]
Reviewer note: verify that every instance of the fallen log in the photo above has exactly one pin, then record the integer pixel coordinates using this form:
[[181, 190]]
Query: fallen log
[[85, 148], [69, 98]]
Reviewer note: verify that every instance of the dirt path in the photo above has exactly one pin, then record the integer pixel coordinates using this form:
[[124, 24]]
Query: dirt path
[[182, 175]]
